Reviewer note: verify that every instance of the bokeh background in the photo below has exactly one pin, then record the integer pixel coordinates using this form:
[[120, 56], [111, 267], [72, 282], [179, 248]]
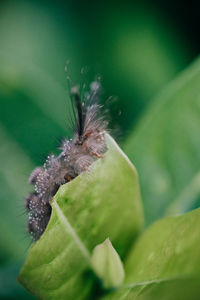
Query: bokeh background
[[137, 47]]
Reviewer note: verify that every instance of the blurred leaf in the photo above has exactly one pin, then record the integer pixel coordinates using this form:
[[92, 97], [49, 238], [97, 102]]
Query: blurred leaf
[[165, 147], [14, 170], [46, 35], [10, 289], [188, 198], [24, 76], [165, 262], [142, 51], [40, 106], [104, 202]]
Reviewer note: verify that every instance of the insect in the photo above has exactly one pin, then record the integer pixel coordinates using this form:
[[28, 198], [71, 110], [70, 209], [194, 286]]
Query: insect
[[77, 155]]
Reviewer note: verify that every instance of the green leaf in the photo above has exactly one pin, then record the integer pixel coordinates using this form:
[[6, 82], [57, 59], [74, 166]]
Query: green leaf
[[14, 170], [102, 202], [165, 147], [165, 262], [107, 264]]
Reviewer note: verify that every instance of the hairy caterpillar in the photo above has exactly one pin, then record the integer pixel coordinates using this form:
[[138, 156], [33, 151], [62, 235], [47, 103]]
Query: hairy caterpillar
[[76, 156]]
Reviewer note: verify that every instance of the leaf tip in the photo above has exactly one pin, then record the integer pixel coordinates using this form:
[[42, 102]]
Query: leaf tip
[[107, 264]]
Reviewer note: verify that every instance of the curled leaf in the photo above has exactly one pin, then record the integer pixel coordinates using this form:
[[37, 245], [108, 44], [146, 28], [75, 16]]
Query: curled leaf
[[102, 202]]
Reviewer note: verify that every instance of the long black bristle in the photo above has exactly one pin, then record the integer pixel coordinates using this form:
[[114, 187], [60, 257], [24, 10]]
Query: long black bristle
[[81, 114]]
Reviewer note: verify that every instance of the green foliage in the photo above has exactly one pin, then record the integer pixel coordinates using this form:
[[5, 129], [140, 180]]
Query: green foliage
[[165, 262], [138, 50], [104, 202], [167, 137]]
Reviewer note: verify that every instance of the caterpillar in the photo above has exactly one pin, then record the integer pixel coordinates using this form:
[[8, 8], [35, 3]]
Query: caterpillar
[[77, 155]]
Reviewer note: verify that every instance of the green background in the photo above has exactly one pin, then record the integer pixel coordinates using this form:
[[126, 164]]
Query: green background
[[137, 48]]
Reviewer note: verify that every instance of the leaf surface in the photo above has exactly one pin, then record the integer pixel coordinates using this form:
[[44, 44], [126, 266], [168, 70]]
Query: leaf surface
[[104, 202], [165, 262], [165, 147], [107, 265]]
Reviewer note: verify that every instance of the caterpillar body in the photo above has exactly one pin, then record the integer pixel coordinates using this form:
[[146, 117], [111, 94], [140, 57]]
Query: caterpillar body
[[77, 155]]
